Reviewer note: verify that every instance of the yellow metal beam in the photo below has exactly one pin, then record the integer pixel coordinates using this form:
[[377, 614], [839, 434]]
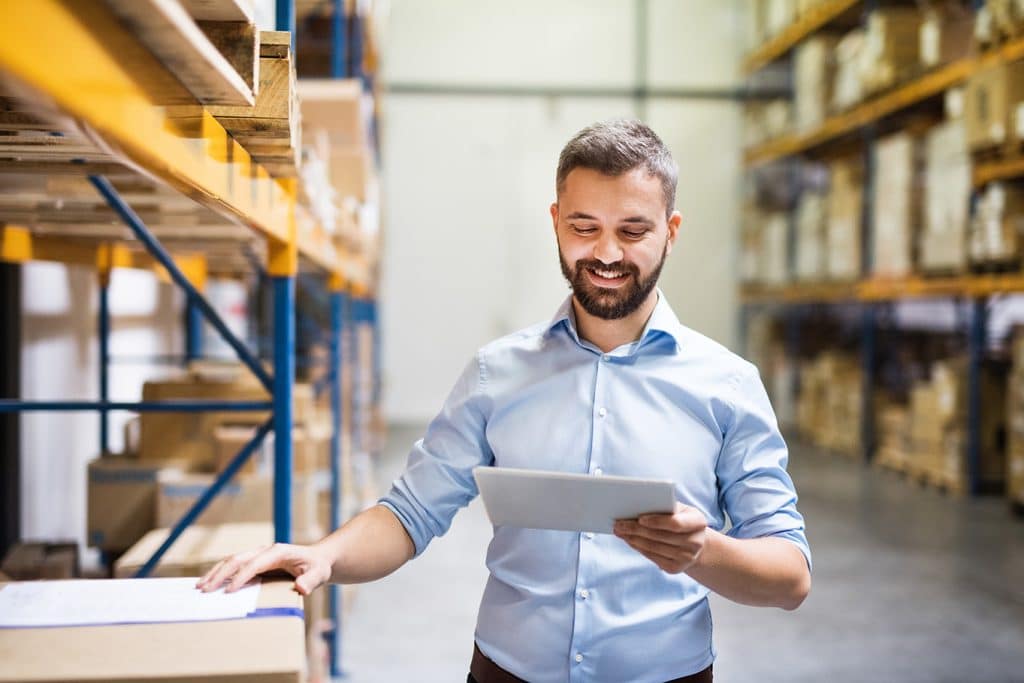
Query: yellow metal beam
[[76, 53], [816, 18], [19, 245]]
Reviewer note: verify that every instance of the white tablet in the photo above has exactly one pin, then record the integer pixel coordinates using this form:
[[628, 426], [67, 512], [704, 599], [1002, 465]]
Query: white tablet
[[537, 499]]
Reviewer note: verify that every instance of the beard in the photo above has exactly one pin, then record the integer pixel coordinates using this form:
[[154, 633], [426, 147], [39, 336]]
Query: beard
[[604, 302]]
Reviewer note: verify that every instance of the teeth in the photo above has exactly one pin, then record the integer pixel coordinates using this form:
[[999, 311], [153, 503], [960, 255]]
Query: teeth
[[608, 274]]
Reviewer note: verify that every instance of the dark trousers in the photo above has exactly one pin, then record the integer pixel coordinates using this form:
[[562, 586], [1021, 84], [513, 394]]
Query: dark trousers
[[483, 670]]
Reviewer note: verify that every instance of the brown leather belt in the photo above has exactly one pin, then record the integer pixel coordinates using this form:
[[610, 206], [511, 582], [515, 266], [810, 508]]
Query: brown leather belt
[[483, 670]]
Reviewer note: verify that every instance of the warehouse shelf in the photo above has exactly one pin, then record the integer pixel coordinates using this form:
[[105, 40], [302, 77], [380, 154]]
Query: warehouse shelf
[[991, 171], [816, 18], [118, 155], [887, 289], [929, 85]]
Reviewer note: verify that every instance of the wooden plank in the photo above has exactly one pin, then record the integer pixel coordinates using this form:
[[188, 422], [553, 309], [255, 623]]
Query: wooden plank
[[220, 10], [275, 44], [167, 30], [814, 20], [238, 42]]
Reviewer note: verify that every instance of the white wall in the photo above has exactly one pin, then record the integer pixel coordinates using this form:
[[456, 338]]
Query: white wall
[[60, 362], [469, 253]]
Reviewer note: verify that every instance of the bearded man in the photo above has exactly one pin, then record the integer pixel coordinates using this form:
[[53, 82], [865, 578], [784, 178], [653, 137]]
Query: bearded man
[[612, 384]]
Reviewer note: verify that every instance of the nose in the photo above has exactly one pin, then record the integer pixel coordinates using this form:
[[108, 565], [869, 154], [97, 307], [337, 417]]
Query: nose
[[607, 249]]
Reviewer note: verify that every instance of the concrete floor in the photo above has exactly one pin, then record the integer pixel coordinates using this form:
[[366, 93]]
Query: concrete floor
[[909, 585]]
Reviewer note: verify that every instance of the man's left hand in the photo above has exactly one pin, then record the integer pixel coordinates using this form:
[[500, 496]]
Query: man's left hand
[[673, 542]]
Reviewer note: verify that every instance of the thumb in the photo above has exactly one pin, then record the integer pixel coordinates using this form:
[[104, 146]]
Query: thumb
[[308, 581]]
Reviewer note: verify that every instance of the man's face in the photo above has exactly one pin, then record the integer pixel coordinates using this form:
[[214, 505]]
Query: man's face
[[613, 238]]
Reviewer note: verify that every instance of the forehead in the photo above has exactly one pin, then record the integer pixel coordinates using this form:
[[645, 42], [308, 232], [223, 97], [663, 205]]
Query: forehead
[[633, 192]]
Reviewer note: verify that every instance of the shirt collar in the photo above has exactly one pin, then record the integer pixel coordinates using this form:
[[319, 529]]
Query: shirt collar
[[662, 319]]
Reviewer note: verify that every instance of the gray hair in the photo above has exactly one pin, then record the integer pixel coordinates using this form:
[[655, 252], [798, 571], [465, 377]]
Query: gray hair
[[617, 147]]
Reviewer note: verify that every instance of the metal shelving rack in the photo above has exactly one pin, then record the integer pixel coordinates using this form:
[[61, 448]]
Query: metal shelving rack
[[871, 293], [108, 84]]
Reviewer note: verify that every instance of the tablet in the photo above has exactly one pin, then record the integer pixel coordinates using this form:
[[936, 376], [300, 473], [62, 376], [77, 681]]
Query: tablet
[[538, 499]]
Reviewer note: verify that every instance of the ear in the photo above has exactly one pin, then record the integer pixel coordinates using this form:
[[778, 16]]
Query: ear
[[554, 215], [674, 221]]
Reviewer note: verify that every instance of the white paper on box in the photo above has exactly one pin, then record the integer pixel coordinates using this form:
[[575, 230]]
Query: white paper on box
[[119, 601]]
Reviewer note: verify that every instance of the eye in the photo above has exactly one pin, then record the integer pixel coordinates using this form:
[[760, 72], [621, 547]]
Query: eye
[[582, 229], [634, 234]]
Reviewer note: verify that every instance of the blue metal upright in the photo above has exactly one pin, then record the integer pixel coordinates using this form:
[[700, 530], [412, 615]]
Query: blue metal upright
[[193, 330], [869, 312], [285, 18], [976, 341], [104, 350], [337, 327], [339, 40], [284, 381]]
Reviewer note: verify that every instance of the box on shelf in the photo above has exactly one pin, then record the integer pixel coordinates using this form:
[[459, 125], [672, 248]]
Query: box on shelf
[[891, 49], [847, 89], [996, 227], [196, 550], [34, 560], [810, 237], [814, 68], [246, 498], [990, 103], [311, 445], [896, 209], [829, 406], [774, 267], [946, 34], [947, 196], [191, 435], [270, 649], [122, 499], [779, 14], [843, 252], [1015, 420]]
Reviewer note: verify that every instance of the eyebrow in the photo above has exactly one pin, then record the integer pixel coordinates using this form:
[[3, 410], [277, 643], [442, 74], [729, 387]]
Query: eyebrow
[[579, 215]]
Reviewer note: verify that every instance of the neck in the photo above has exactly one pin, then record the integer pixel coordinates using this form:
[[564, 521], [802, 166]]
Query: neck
[[611, 334]]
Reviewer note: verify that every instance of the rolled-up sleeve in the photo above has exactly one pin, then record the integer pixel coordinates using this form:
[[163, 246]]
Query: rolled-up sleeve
[[754, 488], [438, 479]]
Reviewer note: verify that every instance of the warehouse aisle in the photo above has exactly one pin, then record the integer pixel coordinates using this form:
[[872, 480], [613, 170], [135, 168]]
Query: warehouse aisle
[[909, 586]]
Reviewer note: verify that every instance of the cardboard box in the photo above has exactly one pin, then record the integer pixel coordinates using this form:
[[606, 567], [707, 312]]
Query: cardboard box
[[891, 51], [810, 237], [336, 106], [814, 75], [947, 196], [990, 102], [196, 550], [997, 225], [847, 89], [311, 448], [30, 561], [897, 205], [845, 201], [191, 435], [269, 649], [122, 499], [243, 499], [946, 34]]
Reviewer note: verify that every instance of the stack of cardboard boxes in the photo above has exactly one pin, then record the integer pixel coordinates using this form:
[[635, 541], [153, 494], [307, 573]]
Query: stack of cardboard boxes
[[947, 193], [938, 419], [811, 218], [997, 226], [893, 436], [845, 200], [892, 48], [814, 67], [830, 404], [896, 209]]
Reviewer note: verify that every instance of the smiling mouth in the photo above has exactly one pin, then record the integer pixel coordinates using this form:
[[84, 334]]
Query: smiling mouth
[[607, 278]]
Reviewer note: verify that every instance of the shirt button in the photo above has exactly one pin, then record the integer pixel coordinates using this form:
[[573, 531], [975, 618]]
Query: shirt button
[[588, 535], [598, 471], [584, 594], [602, 412], [579, 658], [606, 357]]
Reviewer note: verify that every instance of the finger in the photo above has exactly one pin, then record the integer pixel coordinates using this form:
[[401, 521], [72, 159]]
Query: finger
[[209, 574], [229, 567], [272, 558], [665, 550], [685, 520], [673, 538], [309, 582]]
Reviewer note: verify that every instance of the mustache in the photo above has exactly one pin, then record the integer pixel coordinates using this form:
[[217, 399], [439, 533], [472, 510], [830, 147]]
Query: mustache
[[594, 264]]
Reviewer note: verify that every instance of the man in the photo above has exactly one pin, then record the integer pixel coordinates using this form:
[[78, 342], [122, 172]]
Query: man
[[613, 384]]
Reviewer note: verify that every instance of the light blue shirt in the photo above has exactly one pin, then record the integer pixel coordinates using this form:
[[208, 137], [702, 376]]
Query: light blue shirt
[[566, 606]]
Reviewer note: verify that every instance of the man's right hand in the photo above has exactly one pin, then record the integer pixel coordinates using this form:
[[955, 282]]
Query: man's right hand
[[307, 563]]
